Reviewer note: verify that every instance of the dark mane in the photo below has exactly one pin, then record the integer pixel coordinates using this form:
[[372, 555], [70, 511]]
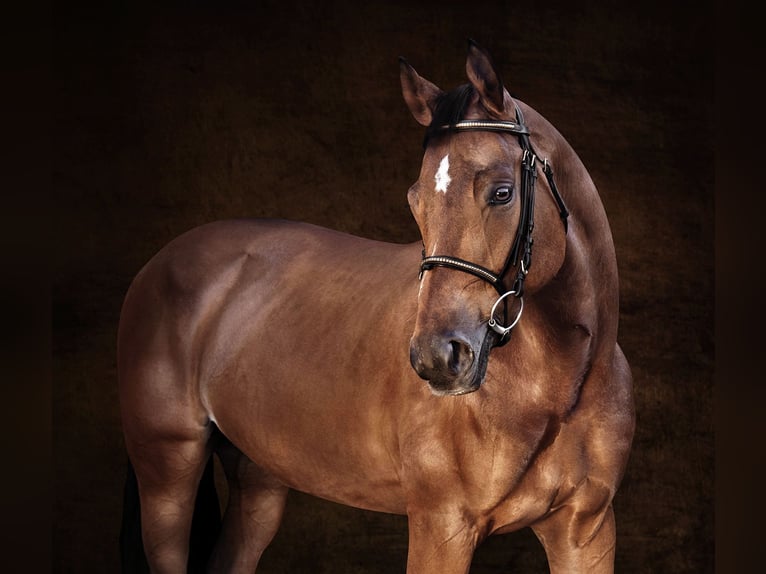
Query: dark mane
[[450, 109]]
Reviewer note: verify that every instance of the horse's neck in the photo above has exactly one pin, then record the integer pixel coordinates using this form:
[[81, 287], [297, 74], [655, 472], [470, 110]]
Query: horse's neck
[[574, 315]]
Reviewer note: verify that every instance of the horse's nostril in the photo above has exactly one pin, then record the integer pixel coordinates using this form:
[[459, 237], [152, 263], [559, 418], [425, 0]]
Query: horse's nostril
[[441, 358], [454, 360], [460, 357]]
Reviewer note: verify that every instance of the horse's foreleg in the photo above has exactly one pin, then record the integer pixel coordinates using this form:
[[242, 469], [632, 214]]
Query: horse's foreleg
[[440, 543], [253, 513], [579, 542]]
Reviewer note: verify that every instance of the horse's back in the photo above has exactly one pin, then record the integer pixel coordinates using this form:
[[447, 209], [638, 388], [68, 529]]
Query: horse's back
[[198, 259], [187, 277], [196, 274]]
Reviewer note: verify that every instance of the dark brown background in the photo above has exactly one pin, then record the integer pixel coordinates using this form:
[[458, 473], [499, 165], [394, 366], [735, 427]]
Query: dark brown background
[[169, 117]]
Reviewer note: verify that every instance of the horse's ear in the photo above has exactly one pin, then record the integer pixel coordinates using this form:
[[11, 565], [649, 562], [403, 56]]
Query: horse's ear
[[485, 79], [419, 93]]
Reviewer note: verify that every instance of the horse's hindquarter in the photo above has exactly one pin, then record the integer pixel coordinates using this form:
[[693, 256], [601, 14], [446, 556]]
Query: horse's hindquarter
[[300, 362]]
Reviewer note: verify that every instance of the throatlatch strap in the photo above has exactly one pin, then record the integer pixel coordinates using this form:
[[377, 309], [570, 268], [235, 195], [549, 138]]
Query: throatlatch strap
[[563, 211]]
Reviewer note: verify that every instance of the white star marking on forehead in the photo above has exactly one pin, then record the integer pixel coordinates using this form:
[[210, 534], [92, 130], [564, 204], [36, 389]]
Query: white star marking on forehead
[[442, 177]]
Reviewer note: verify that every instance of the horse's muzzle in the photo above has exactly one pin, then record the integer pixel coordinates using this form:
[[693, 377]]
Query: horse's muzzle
[[450, 363]]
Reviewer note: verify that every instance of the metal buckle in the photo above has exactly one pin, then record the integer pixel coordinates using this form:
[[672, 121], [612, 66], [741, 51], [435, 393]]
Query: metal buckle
[[528, 159]]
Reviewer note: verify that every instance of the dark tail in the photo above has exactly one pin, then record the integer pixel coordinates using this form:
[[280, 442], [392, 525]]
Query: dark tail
[[206, 525]]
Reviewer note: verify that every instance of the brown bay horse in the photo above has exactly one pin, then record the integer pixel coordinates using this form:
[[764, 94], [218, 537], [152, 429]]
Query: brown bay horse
[[486, 394]]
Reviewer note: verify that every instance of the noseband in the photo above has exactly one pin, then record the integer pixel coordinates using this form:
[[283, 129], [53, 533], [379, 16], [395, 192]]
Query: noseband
[[520, 255]]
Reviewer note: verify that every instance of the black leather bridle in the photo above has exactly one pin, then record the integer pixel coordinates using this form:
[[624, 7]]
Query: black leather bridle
[[520, 255]]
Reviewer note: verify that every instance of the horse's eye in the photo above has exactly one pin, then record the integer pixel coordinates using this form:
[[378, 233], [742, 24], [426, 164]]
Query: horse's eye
[[502, 194]]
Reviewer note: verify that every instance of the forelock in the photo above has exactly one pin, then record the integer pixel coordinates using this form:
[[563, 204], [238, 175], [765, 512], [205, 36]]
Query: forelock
[[450, 108]]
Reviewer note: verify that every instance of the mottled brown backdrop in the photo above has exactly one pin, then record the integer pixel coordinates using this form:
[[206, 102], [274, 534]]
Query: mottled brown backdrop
[[170, 115]]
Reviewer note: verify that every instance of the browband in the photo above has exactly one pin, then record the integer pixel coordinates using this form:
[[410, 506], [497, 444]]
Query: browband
[[487, 126]]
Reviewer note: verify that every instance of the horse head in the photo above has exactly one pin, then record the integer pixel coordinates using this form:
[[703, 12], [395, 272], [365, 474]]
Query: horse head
[[475, 211]]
